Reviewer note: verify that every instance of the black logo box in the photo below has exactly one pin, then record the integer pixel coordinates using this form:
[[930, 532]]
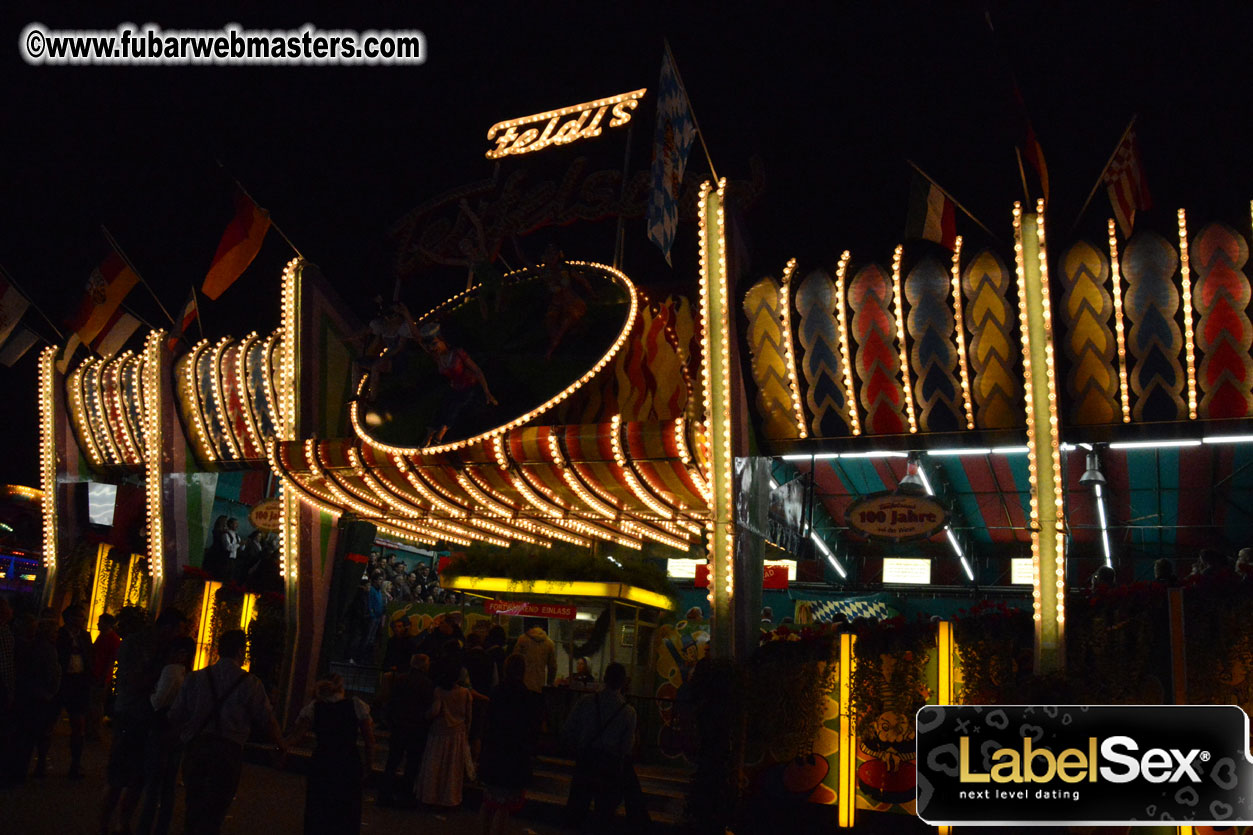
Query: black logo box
[[1210, 742]]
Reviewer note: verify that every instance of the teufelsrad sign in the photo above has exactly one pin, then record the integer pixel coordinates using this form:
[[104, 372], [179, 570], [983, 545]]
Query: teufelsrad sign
[[896, 517]]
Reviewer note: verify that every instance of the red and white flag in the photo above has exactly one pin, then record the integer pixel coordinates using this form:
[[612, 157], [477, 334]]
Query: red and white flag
[[191, 313], [99, 323], [1124, 180]]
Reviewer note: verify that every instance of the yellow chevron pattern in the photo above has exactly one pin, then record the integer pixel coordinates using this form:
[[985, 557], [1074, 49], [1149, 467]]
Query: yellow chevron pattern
[[992, 353], [1089, 342], [765, 342]]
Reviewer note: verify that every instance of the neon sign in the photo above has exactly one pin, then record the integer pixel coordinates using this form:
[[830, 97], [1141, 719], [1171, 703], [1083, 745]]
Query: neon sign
[[584, 124]]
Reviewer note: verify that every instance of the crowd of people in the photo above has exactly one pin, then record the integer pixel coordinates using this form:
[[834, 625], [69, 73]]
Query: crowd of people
[[458, 707], [468, 707], [165, 720], [386, 580], [251, 561], [1210, 564]]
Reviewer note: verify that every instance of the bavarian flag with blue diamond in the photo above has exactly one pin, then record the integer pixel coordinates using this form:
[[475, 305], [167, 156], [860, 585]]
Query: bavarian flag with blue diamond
[[676, 130]]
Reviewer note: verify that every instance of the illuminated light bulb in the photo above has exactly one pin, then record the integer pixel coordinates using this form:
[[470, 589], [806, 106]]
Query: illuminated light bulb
[[1189, 343], [785, 309], [898, 301], [48, 458], [153, 442], [243, 381], [960, 332]]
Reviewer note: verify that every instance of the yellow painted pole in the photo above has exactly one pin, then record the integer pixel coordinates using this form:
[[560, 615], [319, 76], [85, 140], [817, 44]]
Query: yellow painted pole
[[1043, 440], [846, 797], [944, 646], [715, 311]]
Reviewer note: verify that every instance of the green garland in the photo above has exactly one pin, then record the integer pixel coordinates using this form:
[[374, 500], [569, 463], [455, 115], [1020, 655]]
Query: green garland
[[1218, 630], [1116, 641], [994, 649], [267, 635], [788, 686], [889, 674], [188, 598], [228, 606]]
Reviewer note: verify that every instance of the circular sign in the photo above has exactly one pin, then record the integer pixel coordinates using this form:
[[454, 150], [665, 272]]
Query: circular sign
[[266, 515], [896, 517]]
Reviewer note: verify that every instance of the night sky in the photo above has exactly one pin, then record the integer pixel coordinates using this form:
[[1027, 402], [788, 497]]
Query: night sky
[[830, 98]]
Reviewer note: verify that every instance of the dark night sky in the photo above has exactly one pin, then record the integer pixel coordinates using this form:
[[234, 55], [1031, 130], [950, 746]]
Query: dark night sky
[[831, 97]]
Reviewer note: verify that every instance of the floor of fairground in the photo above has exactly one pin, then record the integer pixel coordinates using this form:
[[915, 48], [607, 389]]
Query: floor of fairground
[[270, 801]]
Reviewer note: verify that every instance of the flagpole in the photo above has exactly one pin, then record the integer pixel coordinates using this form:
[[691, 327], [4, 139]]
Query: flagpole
[[1022, 176], [965, 211], [113, 243], [619, 238], [128, 309], [273, 225], [196, 301], [1101, 176], [679, 77], [8, 276]]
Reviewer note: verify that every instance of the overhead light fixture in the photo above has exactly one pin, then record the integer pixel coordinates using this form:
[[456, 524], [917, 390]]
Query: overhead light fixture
[[1092, 476], [961, 451], [875, 454], [914, 478], [1155, 444], [1009, 450], [1100, 512], [1227, 439]]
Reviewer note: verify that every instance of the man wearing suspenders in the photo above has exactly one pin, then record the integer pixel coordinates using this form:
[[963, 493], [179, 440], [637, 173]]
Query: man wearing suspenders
[[217, 709]]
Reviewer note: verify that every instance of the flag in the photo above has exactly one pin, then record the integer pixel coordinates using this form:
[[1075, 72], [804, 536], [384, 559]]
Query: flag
[[932, 215], [676, 130], [98, 312], [239, 245], [12, 307], [1124, 180], [114, 336], [190, 314], [16, 346]]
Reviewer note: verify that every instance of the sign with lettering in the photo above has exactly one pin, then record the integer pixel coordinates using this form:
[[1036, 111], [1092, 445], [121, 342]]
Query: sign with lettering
[[265, 515], [582, 121], [557, 611], [774, 576], [896, 517]]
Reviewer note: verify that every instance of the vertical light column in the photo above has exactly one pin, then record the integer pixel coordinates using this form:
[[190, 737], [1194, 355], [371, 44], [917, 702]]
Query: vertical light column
[[716, 376], [1048, 556], [151, 390], [48, 465], [959, 323], [285, 422], [846, 781], [1115, 273], [1189, 345], [846, 354], [898, 301], [789, 356]]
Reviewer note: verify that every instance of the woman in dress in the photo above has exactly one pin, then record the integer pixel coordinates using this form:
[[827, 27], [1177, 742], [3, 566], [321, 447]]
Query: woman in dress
[[334, 781], [512, 728], [446, 761]]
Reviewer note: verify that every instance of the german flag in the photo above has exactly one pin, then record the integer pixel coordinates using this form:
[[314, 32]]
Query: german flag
[[239, 245]]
